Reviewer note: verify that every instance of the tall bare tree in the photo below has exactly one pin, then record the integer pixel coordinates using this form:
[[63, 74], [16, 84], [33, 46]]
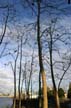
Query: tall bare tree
[[20, 71], [52, 72], [42, 71], [14, 73]]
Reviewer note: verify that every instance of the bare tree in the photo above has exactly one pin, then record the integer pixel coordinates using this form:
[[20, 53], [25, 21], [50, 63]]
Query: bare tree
[[42, 72], [30, 76], [68, 1], [14, 73], [15, 78], [6, 21], [52, 72], [65, 69], [20, 71]]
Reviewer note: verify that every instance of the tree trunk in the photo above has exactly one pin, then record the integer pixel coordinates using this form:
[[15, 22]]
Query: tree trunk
[[43, 76], [31, 88], [30, 76], [40, 91], [19, 85], [14, 103], [44, 91], [57, 99], [52, 73]]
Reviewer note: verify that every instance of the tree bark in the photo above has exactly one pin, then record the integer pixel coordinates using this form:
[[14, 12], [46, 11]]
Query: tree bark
[[52, 73], [40, 91], [45, 102], [14, 103], [42, 72], [56, 99], [14, 72], [19, 85]]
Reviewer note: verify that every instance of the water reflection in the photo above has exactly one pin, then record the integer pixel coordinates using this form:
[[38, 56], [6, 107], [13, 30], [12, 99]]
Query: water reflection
[[5, 101]]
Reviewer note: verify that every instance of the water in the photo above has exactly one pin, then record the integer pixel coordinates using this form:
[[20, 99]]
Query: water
[[5, 101]]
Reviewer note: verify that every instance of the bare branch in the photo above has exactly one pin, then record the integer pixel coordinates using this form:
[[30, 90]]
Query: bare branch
[[6, 21]]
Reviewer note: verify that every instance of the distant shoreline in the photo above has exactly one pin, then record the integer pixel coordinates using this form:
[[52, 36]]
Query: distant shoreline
[[6, 96]]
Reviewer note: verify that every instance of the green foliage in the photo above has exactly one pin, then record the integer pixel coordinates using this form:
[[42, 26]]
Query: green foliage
[[69, 93], [61, 93], [50, 93], [51, 98]]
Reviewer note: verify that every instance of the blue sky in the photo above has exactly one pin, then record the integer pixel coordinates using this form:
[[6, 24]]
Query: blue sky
[[23, 16]]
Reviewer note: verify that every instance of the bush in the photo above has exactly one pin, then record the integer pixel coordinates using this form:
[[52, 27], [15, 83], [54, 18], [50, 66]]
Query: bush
[[51, 98], [69, 93], [50, 93], [61, 93]]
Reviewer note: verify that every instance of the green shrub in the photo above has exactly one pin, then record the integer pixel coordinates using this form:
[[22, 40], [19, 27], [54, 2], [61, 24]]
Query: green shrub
[[50, 93], [69, 93], [61, 93]]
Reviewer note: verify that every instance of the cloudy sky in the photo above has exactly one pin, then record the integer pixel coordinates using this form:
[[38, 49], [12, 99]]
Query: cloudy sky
[[20, 15]]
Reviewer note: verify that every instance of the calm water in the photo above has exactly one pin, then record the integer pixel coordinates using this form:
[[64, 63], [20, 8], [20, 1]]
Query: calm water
[[4, 101]]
